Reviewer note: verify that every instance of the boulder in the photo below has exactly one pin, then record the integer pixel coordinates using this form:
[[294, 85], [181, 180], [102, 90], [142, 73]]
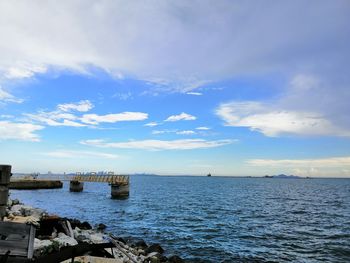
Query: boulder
[[65, 240], [40, 244], [97, 238], [16, 210], [153, 257], [81, 235], [101, 227], [154, 248]]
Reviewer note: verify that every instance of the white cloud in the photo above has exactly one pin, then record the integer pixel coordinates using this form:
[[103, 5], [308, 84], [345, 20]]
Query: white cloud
[[274, 122], [152, 124], [181, 117], [322, 162], [7, 97], [194, 93], [23, 71], [81, 106], [19, 131], [187, 144], [187, 132], [55, 118], [112, 118], [80, 154], [203, 128]]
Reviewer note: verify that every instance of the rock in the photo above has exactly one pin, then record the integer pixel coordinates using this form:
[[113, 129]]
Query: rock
[[81, 235], [154, 248], [40, 244], [41, 247], [120, 239], [153, 257], [82, 225], [65, 240], [97, 238], [140, 244], [175, 259], [16, 210], [22, 210], [100, 227], [136, 242], [30, 211], [15, 202]]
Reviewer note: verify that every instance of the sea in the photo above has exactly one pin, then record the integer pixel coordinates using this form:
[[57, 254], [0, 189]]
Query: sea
[[218, 219]]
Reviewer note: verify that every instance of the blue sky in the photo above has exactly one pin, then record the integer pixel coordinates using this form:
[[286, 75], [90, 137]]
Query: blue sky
[[227, 87]]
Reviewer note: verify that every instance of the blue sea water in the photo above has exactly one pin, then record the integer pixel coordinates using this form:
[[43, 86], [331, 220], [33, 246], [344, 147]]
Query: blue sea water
[[218, 219]]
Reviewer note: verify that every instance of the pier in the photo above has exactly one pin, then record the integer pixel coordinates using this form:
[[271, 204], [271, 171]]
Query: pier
[[119, 183]]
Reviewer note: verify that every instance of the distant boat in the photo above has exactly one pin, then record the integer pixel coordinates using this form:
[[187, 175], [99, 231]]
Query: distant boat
[[209, 174]]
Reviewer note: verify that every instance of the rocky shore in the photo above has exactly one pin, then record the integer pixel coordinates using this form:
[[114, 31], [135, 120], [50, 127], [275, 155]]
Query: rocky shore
[[54, 233]]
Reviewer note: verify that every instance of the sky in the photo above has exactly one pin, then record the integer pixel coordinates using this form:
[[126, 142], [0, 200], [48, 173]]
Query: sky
[[234, 88]]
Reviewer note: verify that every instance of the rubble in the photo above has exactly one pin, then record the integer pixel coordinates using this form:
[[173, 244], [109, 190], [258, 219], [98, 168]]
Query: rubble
[[55, 233]]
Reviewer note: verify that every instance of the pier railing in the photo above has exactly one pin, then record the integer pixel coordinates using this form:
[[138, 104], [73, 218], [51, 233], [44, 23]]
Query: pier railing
[[111, 179]]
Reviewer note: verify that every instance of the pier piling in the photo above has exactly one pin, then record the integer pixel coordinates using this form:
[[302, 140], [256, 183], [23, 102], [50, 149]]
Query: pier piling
[[119, 190], [76, 186]]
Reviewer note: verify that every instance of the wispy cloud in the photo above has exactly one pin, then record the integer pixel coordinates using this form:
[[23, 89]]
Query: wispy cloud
[[7, 97], [176, 131], [203, 128], [271, 121], [55, 118], [181, 117], [63, 116], [112, 118], [152, 124], [187, 144], [19, 131], [194, 93], [81, 106], [186, 132], [79, 154]]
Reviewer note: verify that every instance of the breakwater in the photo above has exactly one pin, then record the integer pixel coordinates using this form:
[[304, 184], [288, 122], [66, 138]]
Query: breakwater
[[31, 184]]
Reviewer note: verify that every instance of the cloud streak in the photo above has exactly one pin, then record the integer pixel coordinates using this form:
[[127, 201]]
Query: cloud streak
[[181, 117], [95, 119], [157, 145], [80, 154]]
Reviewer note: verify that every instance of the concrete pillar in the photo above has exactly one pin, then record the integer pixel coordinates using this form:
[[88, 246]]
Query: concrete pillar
[[120, 191], [5, 175], [76, 186]]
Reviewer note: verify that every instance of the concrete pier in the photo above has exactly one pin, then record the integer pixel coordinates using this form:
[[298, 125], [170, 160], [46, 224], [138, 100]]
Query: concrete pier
[[76, 186], [25, 184], [119, 191]]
